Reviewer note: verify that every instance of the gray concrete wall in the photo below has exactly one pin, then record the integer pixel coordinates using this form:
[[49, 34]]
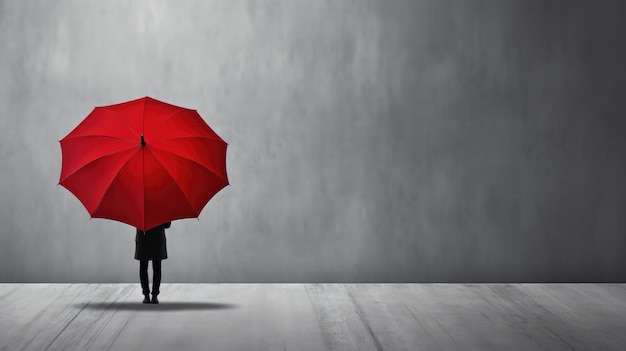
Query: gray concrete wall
[[412, 141]]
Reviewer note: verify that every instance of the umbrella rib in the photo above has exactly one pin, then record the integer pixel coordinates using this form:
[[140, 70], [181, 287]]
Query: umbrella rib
[[176, 182], [143, 161], [100, 136], [143, 178], [191, 136], [143, 120], [94, 160], [194, 161], [169, 118], [120, 118]]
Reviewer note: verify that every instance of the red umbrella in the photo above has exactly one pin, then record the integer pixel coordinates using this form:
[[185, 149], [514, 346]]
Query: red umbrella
[[143, 162]]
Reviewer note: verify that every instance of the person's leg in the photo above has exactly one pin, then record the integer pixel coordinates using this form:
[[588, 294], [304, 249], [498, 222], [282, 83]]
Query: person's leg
[[143, 277], [156, 279]]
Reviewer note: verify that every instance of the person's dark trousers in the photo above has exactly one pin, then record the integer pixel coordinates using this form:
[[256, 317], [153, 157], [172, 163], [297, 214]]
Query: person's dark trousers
[[156, 278], [143, 277]]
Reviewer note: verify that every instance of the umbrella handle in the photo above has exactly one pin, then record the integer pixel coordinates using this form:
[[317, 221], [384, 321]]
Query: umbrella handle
[[143, 142]]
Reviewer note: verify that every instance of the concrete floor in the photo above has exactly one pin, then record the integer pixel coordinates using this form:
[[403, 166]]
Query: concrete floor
[[314, 317]]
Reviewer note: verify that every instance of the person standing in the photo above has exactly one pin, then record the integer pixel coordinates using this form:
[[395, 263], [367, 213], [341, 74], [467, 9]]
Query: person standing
[[151, 245]]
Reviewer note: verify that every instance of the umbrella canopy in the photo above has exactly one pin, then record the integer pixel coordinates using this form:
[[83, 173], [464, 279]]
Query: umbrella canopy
[[143, 162]]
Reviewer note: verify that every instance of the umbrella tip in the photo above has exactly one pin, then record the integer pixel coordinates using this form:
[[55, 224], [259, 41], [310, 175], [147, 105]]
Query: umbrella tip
[[143, 142]]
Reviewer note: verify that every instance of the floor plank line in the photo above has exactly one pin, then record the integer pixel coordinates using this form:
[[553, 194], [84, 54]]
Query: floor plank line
[[113, 340], [65, 327], [367, 325], [12, 288], [38, 321], [105, 319], [327, 342]]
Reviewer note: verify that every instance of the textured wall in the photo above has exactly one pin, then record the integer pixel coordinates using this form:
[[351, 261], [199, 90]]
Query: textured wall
[[368, 140]]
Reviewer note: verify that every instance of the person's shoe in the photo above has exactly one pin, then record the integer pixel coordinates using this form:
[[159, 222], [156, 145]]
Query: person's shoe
[[154, 299], [146, 299]]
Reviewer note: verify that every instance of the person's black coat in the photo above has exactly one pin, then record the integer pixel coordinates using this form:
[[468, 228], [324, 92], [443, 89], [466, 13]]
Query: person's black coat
[[152, 244]]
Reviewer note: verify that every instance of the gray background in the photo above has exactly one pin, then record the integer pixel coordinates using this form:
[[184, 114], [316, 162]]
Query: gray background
[[378, 141]]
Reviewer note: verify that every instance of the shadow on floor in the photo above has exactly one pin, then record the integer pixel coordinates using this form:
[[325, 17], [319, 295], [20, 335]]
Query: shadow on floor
[[163, 306]]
